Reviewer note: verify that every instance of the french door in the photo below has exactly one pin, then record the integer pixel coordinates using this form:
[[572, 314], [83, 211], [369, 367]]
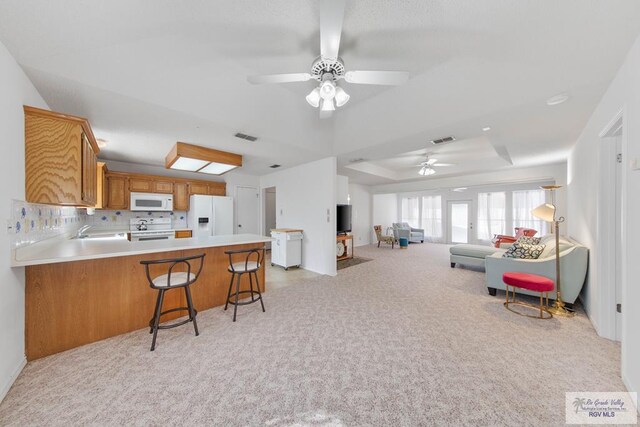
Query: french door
[[459, 224]]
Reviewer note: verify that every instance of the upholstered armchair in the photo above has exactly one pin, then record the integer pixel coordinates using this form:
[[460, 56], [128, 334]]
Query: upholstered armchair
[[391, 240], [403, 229], [499, 239]]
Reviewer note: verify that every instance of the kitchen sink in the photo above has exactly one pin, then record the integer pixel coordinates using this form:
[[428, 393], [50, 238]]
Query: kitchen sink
[[101, 236]]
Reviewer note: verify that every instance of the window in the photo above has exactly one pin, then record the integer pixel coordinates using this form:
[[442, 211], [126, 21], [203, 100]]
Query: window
[[523, 203], [411, 211], [491, 215], [432, 218]]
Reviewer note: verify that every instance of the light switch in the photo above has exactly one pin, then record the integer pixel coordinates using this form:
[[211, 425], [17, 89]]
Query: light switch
[[635, 164]]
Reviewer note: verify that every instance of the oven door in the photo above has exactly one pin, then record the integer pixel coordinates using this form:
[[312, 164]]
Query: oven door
[[151, 202]]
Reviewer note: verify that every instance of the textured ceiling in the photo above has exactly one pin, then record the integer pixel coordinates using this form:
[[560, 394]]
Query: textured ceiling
[[149, 73]]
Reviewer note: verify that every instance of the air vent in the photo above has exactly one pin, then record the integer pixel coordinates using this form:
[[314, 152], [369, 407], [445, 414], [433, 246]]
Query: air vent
[[274, 166], [244, 136], [443, 140], [357, 160]]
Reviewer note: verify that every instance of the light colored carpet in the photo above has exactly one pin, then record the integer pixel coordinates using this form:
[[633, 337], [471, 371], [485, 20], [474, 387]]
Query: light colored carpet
[[401, 340]]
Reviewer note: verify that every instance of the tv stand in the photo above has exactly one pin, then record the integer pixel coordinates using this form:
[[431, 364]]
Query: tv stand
[[343, 239]]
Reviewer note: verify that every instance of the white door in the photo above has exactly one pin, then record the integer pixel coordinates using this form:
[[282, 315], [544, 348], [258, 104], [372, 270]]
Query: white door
[[248, 210], [459, 225]]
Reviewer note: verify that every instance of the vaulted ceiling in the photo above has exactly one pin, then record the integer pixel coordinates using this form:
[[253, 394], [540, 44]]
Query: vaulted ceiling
[[148, 73]]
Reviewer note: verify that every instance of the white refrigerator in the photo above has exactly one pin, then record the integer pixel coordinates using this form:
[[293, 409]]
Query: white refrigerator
[[210, 215]]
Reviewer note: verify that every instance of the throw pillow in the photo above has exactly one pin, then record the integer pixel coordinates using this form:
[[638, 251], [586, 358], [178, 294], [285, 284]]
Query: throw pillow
[[529, 240], [524, 251]]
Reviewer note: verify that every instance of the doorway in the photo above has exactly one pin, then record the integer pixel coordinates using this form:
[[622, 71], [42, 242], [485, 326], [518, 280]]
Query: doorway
[[269, 212], [460, 226], [247, 210], [612, 274]]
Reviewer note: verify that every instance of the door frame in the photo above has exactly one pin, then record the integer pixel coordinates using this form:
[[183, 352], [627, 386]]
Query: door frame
[[469, 203], [606, 226]]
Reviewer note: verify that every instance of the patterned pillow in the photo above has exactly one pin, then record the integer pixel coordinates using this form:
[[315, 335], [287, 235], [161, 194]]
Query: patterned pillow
[[524, 251], [529, 240]]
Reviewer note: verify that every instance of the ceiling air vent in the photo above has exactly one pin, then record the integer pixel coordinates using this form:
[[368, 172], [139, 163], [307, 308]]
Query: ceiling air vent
[[443, 140], [244, 136], [274, 166]]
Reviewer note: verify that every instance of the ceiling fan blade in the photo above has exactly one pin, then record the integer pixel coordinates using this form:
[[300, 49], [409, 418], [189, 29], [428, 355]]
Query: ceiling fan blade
[[331, 17], [279, 78], [431, 161], [391, 78], [443, 164]]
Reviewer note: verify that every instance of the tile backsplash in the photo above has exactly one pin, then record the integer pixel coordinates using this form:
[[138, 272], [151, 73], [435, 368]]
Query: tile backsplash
[[120, 219], [31, 223]]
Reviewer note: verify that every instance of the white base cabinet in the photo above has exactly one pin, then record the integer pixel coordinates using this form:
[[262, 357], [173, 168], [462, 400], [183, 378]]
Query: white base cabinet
[[286, 248]]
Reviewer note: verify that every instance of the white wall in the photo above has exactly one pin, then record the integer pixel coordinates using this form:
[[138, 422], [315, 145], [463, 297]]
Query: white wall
[[342, 190], [15, 91], [362, 229], [384, 211], [587, 196], [306, 199]]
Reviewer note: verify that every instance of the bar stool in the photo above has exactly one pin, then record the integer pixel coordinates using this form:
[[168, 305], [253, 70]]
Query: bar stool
[[171, 280], [237, 269]]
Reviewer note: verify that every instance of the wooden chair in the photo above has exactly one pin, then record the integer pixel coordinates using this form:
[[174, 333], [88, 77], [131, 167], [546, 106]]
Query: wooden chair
[[382, 238]]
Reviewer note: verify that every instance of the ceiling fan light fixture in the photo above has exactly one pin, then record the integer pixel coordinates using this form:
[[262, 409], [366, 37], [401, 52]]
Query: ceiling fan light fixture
[[327, 105], [342, 97], [314, 97], [327, 90], [426, 170]]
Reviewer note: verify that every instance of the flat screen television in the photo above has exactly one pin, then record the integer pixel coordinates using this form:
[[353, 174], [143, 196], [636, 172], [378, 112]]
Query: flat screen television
[[343, 218]]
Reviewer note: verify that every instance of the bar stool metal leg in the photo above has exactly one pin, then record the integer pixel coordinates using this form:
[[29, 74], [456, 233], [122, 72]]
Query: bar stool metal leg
[[192, 314], [251, 287], [155, 313], [235, 306], [156, 320], [258, 289], [226, 304]]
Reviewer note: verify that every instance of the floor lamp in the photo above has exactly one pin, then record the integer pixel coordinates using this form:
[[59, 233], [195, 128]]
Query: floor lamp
[[547, 212]]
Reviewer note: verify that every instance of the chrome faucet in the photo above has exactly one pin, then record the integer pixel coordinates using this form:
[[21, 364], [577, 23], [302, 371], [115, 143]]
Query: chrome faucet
[[80, 234]]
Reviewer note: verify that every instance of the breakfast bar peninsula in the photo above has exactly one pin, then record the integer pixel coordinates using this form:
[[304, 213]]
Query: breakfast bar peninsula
[[80, 291]]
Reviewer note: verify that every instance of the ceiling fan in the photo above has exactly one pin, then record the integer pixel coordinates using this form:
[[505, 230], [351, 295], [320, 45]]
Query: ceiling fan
[[427, 166], [329, 68]]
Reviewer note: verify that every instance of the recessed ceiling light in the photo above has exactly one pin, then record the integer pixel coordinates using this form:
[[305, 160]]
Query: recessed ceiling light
[[486, 129], [558, 99], [101, 142]]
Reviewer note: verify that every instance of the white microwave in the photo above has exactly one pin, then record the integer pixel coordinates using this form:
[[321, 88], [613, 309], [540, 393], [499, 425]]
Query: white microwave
[[151, 202]]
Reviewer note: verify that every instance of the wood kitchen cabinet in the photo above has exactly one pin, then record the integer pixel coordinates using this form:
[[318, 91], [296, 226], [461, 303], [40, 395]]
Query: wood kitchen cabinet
[[60, 159], [140, 185], [100, 185], [119, 185], [180, 196], [163, 186], [117, 190], [217, 189], [198, 188]]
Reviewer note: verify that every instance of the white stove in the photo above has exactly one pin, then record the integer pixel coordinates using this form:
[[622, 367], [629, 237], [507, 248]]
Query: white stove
[[143, 229]]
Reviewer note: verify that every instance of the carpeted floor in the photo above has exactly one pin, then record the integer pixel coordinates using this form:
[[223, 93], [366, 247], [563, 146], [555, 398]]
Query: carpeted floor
[[401, 340]]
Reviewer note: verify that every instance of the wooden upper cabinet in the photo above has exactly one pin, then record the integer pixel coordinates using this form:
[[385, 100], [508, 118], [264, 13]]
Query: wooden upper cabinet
[[163, 186], [140, 185], [217, 189], [60, 159], [101, 185], [117, 192], [198, 187], [180, 196]]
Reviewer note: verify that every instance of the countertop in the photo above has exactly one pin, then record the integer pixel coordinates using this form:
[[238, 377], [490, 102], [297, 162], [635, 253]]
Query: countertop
[[64, 249], [286, 230]]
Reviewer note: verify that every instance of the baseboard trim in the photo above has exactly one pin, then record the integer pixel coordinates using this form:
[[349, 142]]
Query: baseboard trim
[[12, 378]]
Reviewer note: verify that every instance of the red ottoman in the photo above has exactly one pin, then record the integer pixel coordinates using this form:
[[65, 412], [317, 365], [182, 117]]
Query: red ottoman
[[530, 282]]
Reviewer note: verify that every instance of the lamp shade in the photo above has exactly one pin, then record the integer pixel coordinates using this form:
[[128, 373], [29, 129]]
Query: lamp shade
[[545, 212]]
